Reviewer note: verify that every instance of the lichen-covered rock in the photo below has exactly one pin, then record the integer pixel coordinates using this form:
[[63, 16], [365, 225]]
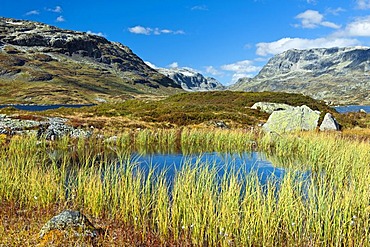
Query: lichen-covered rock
[[329, 123], [295, 119], [50, 128], [269, 107], [69, 222]]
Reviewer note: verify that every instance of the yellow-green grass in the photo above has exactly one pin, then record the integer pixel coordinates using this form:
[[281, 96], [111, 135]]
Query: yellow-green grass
[[323, 199]]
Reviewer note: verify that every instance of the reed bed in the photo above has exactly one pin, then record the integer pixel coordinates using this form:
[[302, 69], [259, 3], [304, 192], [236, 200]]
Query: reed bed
[[322, 200]]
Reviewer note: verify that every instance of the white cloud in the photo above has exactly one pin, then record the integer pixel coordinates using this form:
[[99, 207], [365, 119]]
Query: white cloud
[[213, 71], [155, 31], [150, 65], [33, 12], [312, 1], [363, 4], [57, 9], [140, 30], [60, 19], [313, 19], [358, 28], [200, 7], [272, 48], [335, 11], [174, 65], [245, 66], [98, 34]]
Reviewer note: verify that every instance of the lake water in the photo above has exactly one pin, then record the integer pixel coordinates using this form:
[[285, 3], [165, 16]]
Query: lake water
[[352, 108], [246, 162], [42, 107]]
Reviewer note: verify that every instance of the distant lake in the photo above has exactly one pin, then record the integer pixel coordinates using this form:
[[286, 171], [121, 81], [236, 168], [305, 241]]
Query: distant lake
[[42, 107], [352, 108]]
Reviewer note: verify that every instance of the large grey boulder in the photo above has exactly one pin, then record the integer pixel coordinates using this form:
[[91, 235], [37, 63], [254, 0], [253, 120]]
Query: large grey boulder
[[269, 107], [329, 123], [294, 119]]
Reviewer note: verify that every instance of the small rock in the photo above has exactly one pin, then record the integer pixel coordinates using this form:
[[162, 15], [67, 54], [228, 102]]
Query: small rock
[[362, 111], [69, 222], [221, 124]]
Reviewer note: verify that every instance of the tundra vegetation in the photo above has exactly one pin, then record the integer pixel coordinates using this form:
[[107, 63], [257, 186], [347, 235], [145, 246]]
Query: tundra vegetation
[[322, 200]]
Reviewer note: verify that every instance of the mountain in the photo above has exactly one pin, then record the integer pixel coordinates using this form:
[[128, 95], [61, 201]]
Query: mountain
[[190, 80], [336, 75], [44, 64]]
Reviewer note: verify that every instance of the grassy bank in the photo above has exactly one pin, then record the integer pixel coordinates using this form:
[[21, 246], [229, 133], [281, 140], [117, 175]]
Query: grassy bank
[[199, 110], [323, 199]]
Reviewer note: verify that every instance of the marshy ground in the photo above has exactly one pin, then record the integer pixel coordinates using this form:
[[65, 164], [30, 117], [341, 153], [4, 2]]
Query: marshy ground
[[323, 199]]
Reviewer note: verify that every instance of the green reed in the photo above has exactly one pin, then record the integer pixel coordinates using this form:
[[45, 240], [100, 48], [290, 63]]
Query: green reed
[[322, 200]]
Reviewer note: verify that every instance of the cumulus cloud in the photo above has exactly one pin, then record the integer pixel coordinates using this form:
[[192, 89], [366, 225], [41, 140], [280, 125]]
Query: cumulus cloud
[[150, 31], [174, 65], [98, 33], [140, 30], [57, 9], [358, 28], [363, 4], [33, 12], [240, 69], [272, 48], [245, 66], [60, 19], [314, 19], [213, 71]]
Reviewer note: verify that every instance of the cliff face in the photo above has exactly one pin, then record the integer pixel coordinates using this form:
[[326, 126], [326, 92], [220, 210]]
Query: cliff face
[[71, 61], [191, 80], [338, 75]]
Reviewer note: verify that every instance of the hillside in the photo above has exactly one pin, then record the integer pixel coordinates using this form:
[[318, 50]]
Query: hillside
[[336, 75], [196, 109], [44, 64]]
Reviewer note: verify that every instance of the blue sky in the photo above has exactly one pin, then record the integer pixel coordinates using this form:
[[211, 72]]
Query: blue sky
[[219, 38]]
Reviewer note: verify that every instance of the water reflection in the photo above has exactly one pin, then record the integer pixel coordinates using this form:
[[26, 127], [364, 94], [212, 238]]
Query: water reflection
[[242, 164]]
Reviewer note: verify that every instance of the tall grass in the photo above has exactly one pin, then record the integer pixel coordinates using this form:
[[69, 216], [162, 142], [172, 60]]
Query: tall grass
[[322, 200]]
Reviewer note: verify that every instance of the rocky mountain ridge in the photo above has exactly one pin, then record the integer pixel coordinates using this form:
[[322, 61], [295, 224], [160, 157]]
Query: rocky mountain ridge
[[191, 80], [84, 65], [337, 75]]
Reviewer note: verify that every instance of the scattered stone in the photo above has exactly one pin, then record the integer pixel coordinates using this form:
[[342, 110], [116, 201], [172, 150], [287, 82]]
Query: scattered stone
[[48, 128], [294, 119], [329, 123], [269, 107], [362, 111], [69, 224], [221, 124]]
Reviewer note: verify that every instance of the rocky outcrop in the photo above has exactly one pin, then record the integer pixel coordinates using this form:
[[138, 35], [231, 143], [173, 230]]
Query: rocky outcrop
[[294, 119], [337, 75], [329, 123], [50, 128], [68, 224], [72, 61], [269, 107], [191, 80]]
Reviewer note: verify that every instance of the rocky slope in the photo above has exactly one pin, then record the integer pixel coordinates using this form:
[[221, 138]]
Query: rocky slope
[[191, 80], [44, 64], [336, 75]]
